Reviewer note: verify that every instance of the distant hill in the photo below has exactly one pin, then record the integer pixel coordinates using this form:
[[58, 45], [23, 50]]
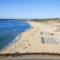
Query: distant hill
[[46, 20]]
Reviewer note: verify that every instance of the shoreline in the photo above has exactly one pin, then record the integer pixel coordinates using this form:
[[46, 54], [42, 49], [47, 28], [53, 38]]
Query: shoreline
[[31, 40], [19, 36]]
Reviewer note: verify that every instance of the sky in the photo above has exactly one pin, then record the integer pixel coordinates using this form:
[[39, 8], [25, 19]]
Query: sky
[[30, 9]]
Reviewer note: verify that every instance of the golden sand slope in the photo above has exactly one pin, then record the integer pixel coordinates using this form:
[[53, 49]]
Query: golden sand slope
[[31, 40]]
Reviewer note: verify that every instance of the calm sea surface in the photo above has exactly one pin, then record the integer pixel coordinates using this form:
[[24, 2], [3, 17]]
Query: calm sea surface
[[9, 29]]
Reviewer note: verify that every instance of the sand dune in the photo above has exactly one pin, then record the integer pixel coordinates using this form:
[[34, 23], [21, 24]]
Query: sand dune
[[31, 40]]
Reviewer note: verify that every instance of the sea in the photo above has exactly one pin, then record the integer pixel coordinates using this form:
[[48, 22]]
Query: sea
[[10, 29]]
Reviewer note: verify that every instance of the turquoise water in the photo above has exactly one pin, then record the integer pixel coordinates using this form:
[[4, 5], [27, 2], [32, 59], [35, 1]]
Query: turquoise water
[[9, 29]]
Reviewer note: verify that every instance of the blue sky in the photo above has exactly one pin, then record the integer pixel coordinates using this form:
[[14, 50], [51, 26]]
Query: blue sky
[[30, 8]]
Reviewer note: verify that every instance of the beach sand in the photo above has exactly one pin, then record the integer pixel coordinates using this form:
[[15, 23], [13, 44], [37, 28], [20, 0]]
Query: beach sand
[[31, 41]]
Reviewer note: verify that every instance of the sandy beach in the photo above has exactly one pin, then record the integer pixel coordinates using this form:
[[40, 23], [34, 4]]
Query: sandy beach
[[42, 37]]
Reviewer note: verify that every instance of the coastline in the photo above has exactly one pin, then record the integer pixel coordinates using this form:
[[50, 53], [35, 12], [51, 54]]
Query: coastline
[[13, 42], [19, 36], [31, 41]]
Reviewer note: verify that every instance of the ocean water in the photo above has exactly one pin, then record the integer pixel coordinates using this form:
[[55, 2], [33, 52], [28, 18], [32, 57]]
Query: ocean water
[[9, 30]]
